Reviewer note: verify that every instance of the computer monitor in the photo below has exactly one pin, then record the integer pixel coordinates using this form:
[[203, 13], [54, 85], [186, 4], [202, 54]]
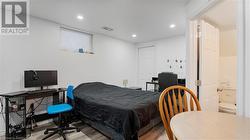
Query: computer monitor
[[40, 78]]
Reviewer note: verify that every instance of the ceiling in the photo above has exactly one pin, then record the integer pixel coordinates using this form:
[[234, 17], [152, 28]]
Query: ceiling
[[224, 14], [148, 19]]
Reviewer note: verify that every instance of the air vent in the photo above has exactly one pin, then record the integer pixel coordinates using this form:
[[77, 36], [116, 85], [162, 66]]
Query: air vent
[[107, 28]]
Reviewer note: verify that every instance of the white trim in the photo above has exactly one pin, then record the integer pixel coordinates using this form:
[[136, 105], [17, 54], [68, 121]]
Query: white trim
[[145, 46], [240, 60], [202, 9], [65, 27], [191, 55], [245, 46], [2, 134]]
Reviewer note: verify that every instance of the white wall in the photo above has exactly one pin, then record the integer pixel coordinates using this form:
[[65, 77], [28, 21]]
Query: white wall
[[228, 59], [228, 42], [113, 61], [228, 72], [1, 62], [171, 48]]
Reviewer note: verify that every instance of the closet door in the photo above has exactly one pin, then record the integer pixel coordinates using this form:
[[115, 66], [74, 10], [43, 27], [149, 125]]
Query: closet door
[[146, 65]]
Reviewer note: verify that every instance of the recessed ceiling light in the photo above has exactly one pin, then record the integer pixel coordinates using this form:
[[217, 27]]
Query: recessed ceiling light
[[172, 26], [134, 35], [80, 17]]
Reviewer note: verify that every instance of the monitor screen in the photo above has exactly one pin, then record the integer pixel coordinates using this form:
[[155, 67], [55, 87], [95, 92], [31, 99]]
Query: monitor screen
[[40, 78]]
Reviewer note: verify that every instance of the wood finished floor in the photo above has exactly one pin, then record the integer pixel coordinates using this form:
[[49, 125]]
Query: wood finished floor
[[88, 133]]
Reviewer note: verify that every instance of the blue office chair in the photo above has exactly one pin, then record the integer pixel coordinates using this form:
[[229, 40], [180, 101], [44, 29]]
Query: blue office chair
[[61, 109]]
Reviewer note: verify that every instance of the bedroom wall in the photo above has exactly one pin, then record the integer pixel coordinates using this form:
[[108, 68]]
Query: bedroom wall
[[114, 60], [1, 61], [172, 49], [2, 124]]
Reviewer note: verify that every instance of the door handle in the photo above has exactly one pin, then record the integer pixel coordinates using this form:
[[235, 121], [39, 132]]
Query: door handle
[[219, 89]]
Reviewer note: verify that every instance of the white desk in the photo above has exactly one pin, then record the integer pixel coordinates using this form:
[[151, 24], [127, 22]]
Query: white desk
[[210, 126]]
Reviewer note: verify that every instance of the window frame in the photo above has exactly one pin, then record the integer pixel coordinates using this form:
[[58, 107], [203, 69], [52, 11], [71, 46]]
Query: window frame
[[90, 51]]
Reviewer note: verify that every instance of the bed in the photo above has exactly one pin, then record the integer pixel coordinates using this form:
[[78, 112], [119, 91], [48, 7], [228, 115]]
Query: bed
[[119, 113]]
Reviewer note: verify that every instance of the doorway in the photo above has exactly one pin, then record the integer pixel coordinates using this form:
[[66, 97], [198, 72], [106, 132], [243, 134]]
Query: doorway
[[216, 54]]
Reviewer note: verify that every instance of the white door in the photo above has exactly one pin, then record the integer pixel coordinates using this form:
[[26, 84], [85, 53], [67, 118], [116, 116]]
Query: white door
[[209, 65], [146, 68]]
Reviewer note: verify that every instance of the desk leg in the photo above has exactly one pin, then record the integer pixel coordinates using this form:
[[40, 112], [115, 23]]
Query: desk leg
[[7, 117], [146, 86], [24, 118], [56, 98], [64, 101]]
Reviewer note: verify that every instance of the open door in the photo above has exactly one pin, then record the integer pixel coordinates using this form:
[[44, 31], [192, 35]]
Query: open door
[[209, 65]]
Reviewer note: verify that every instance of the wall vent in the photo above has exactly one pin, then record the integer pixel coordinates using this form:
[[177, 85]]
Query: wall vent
[[107, 28]]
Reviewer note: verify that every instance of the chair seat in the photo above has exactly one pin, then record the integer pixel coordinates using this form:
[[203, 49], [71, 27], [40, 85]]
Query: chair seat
[[60, 108]]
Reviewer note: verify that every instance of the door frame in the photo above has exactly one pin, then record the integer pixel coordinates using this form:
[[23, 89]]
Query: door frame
[[241, 56]]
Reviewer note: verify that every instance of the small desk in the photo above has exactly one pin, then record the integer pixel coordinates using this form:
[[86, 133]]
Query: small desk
[[210, 125], [19, 100], [152, 83]]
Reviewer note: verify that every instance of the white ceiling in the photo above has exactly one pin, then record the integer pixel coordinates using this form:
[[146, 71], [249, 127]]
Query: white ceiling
[[224, 14], [149, 19]]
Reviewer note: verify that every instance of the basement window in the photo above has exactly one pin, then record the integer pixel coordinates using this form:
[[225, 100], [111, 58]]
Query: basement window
[[76, 41]]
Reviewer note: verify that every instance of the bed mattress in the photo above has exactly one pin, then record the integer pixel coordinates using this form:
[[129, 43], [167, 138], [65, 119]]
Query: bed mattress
[[120, 112]]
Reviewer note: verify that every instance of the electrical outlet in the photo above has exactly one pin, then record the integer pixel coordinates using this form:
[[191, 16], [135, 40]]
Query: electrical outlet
[[125, 83]]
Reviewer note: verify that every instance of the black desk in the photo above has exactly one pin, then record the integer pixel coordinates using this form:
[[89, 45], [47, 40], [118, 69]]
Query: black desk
[[15, 103], [152, 83], [181, 82]]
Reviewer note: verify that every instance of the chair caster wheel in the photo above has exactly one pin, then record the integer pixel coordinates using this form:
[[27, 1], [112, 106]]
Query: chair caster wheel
[[78, 130], [45, 132]]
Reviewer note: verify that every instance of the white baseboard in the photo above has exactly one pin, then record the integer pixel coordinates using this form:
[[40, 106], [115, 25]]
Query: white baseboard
[[2, 133]]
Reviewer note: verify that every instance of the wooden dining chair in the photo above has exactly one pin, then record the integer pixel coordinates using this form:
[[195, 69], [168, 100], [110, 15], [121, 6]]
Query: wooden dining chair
[[173, 100]]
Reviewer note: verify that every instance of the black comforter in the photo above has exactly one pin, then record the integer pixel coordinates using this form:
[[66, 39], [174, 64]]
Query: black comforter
[[122, 110]]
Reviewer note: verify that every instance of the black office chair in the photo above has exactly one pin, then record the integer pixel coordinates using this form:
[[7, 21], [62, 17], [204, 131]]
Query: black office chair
[[61, 109], [167, 79]]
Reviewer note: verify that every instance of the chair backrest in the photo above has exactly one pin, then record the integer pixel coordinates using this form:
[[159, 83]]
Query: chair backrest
[[167, 79], [173, 100], [70, 90]]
